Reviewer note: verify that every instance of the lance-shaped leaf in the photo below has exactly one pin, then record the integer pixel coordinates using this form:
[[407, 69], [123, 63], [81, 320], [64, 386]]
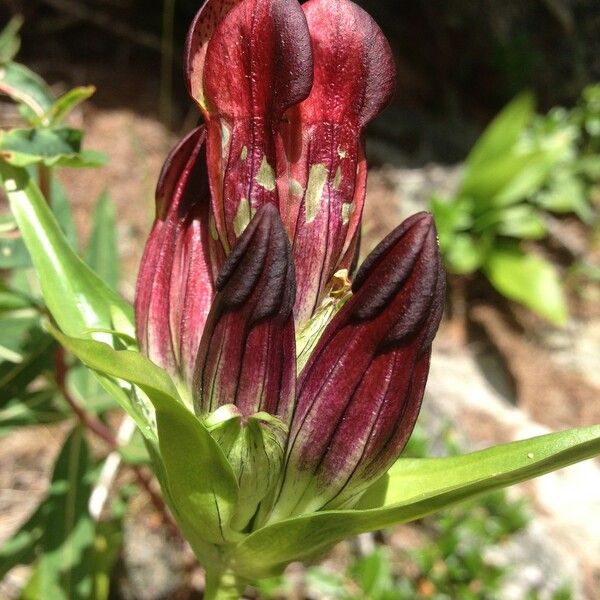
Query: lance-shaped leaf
[[417, 487], [200, 483], [360, 393], [174, 287], [257, 64], [322, 167], [247, 353]]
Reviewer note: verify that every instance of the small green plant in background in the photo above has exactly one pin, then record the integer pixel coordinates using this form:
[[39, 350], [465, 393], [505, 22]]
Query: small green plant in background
[[523, 168], [71, 548]]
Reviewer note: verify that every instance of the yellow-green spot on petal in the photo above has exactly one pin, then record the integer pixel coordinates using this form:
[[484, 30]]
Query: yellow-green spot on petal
[[296, 188], [244, 154], [266, 175], [212, 228], [314, 191], [337, 180], [225, 138], [342, 153], [242, 217], [347, 210]]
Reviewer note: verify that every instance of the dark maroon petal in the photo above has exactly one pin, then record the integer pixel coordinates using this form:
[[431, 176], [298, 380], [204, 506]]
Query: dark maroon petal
[[247, 354], [322, 166], [174, 287], [360, 393], [257, 64]]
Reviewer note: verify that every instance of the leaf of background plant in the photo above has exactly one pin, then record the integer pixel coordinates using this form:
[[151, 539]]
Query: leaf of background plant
[[13, 252], [522, 221], [77, 298], [32, 408], [503, 132], [102, 251], [451, 215], [24, 86], [20, 548], [417, 487], [10, 42], [565, 193], [108, 542], [374, 574], [61, 108], [61, 208], [199, 478], [56, 147], [535, 170], [528, 279], [60, 532], [465, 254], [505, 180], [135, 452], [88, 391], [35, 348], [14, 302], [64, 566]]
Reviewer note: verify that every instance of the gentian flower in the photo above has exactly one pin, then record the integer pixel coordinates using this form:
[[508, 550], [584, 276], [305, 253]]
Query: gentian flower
[[278, 388], [258, 214]]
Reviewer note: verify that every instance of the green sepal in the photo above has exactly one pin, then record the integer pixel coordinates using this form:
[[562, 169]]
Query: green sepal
[[254, 447], [415, 488]]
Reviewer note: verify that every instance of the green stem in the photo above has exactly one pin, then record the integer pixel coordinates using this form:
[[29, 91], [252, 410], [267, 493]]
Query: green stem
[[45, 182], [223, 585]]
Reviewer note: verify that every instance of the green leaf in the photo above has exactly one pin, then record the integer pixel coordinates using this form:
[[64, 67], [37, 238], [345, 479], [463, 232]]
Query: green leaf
[[102, 251], [76, 297], [61, 207], [108, 542], [135, 452], [27, 88], [199, 478], [53, 147], [88, 391], [13, 300], [503, 132], [465, 254], [451, 216], [374, 574], [10, 42], [32, 408], [13, 252], [66, 103], [508, 179], [64, 565], [523, 222], [60, 532], [528, 279], [416, 487], [34, 350]]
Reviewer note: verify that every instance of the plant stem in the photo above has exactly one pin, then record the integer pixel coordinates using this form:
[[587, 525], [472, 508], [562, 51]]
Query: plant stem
[[97, 427], [222, 585], [45, 182]]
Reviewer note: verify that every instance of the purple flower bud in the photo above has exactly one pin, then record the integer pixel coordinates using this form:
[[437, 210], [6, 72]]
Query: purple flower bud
[[360, 393], [174, 287], [247, 353]]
